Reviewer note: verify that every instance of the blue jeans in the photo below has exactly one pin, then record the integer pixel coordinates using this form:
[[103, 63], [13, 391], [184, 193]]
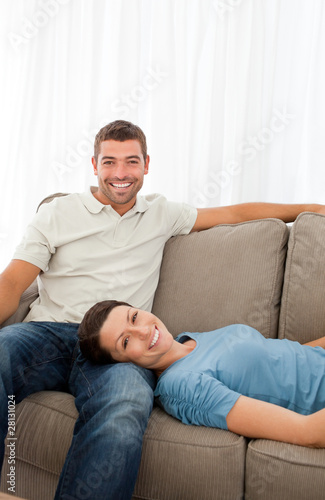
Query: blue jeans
[[114, 403]]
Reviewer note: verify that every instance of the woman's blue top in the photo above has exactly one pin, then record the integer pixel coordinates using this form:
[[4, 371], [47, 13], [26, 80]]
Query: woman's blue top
[[202, 387]]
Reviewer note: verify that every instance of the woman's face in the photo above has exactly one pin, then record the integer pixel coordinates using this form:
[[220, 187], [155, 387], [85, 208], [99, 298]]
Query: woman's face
[[136, 336]]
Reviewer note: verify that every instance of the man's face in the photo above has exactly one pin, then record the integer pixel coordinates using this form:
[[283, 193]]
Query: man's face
[[120, 168]]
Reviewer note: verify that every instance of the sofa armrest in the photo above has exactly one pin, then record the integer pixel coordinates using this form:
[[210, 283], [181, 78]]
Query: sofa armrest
[[29, 295]]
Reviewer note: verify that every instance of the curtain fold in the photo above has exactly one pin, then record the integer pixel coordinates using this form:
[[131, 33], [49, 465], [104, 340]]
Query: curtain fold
[[229, 93]]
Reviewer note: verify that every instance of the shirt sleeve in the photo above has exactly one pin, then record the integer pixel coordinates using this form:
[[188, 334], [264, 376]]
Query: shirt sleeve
[[35, 246], [182, 217], [195, 398]]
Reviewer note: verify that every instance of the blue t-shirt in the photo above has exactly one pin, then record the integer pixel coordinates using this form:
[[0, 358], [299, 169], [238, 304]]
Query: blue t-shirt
[[202, 387]]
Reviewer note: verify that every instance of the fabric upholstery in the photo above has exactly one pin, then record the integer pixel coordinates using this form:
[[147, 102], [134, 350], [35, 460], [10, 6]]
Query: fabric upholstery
[[227, 274], [214, 460], [302, 311], [188, 462], [284, 472], [45, 417]]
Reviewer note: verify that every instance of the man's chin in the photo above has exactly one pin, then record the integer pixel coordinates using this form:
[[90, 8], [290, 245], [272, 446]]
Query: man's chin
[[120, 198]]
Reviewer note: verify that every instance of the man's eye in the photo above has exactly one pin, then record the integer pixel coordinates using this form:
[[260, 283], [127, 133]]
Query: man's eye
[[134, 317], [125, 342]]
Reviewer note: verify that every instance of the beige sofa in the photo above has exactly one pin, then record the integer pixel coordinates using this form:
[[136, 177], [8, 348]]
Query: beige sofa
[[259, 273]]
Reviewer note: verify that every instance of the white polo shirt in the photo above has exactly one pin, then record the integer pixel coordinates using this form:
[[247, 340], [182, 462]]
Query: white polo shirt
[[87, 252]]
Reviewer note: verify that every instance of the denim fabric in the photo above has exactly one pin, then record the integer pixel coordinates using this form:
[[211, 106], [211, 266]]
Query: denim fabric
[[114, 404]]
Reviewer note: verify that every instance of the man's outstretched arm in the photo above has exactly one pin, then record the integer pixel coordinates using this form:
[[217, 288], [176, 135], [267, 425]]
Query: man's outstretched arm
[[233, 214]]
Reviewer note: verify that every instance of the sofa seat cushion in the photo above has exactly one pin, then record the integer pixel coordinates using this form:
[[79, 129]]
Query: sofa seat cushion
[[44, 427], [227, 274], [187, 462], [178, 461], [302, 314], [283, 471]]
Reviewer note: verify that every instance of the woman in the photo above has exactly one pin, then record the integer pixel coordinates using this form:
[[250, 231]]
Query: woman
[[232, 378]]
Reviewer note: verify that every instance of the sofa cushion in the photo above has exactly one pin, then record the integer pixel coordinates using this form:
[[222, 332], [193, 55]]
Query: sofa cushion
[[302, 314], [187, 462], [178, 461], [283, 471], [227, 274], [44, 426]]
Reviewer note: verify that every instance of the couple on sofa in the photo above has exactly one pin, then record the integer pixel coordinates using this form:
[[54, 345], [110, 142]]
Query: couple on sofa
[[108, 243]]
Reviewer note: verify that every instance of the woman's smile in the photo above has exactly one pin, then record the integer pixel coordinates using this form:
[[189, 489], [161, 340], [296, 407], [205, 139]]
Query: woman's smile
[[137, 336], [155, 338]]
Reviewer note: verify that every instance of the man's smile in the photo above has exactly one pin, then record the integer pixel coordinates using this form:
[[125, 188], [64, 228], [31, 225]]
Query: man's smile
[[121, 185]]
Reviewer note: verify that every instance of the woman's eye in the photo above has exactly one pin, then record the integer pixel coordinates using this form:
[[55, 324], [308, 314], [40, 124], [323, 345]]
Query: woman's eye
[[134, 317], [125, 342]]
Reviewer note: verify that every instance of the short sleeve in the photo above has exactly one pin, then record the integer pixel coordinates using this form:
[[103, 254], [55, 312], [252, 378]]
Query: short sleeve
[[195, 398], [182, 217], [35, 246]]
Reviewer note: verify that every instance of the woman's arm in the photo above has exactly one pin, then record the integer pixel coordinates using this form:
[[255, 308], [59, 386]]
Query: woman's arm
[[317, 343], [258, 419]]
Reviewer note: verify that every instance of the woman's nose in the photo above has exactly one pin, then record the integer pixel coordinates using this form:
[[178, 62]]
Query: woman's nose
[[141, 332]]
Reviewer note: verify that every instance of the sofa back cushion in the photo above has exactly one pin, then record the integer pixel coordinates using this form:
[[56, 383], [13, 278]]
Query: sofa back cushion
[[302, 314], [227, 274]]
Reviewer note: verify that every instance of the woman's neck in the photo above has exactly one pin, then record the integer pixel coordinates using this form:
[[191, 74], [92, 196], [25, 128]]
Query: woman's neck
[[177, 352]]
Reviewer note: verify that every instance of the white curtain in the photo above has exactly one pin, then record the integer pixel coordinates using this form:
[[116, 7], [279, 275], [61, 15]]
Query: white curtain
[[230, 94]]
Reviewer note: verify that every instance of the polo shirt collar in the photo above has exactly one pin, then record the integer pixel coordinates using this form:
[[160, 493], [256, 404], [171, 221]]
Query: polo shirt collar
[[94, 206]]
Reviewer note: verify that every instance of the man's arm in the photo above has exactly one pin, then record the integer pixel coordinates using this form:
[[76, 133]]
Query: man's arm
[[233, 214], [14, 280]]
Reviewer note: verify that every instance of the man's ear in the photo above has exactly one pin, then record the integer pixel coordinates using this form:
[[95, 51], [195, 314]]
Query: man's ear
[[146, 165], [93, 161]]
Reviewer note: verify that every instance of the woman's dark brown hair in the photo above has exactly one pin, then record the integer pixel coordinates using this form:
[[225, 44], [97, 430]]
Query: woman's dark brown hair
[[90, 327]]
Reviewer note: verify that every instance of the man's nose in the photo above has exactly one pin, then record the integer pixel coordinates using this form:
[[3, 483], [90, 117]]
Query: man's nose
[[121, 170]]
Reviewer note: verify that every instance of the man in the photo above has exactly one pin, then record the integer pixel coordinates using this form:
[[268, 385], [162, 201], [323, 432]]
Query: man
[[106, 243]]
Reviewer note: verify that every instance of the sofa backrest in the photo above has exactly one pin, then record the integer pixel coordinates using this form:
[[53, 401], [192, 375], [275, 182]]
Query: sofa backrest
[[235, 274], [227, 274], [302, 315]]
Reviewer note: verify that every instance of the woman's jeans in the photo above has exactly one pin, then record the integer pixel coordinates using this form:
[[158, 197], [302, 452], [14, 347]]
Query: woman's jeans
[[114, 403]]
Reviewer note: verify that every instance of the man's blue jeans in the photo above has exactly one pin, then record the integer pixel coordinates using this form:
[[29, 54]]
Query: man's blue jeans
[[114, 403]]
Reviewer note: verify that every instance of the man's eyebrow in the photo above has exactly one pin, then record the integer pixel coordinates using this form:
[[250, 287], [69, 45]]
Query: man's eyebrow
[[114, 157], [128, 319], [133, 156]]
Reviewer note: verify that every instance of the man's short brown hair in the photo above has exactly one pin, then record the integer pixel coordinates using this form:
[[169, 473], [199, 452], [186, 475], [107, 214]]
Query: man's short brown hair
[[120, 130]]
